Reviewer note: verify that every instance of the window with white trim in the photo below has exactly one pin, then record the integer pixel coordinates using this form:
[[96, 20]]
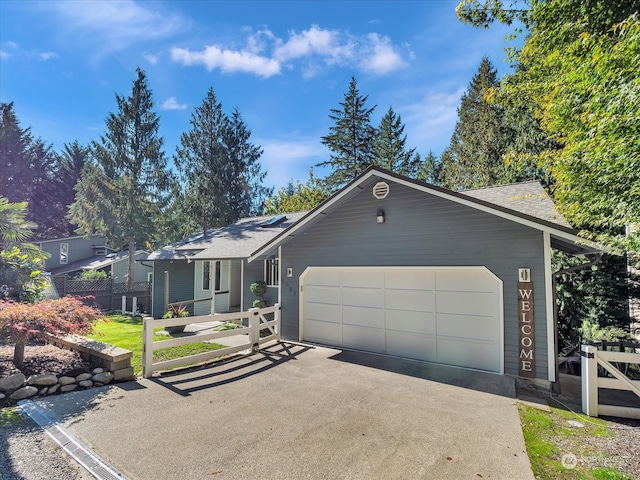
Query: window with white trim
[[271, 272], [218, 273], [64, 253]]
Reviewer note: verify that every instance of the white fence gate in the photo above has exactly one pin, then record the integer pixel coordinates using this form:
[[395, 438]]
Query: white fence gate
[[591, 358], [257, 321]]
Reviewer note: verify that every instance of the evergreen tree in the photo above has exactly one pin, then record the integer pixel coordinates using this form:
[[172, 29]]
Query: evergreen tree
[[429, 169], [350, 140], [15, 143], [70, 165], [298, 197], [122, 190], [389, 148], [478, 142], [219, 169]]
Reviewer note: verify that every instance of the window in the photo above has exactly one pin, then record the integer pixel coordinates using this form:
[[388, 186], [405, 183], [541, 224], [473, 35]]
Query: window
[[206, 276], [64, 253], [271, 272]]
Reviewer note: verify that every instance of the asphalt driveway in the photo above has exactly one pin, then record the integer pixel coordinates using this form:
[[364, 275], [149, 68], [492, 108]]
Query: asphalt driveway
[[300, 412]]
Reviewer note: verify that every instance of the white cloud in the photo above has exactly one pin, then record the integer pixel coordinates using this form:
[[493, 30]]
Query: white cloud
[[110, 26], [44, 56], [286, 160], [4, 54], [430, 122], [311, 51], [381, 56], [152, 59], [172, 104], [229, 61]]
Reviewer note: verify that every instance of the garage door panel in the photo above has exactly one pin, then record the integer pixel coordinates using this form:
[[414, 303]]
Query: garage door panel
[[413, 300], [328, 277], [410, 279], [362, 297], [363, 278], [465, 303], [448, 315], [323, 294], [481, 328], [466, 353], [363, 338], [420, 347], [323, 332], [412, 322], [366, 317], [469, 280], [323, 312]]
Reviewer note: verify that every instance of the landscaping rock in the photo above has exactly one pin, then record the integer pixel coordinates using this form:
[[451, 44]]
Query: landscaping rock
[[104, 377], [98, 384], [53, 389], [2, 396], [44, 379], [43, 391], [66, 380], [97, 371], [82, 377], [12, 382], [86, 383], [68, 388], [24, 392]]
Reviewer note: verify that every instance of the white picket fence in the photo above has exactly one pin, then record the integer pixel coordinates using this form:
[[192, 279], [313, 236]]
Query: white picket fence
[[591, 358], [256, 319]]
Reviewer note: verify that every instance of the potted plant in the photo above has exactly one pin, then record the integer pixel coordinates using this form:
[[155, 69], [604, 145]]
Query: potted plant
[[176, 311], [259, 289]]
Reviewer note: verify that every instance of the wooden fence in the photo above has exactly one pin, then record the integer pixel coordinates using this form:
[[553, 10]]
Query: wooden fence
[[615, 369], [108, 294], [257, 320]]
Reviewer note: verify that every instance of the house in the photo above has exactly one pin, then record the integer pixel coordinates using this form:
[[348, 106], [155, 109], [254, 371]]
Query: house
[[72, 255], [212, 268], [396, 266], [69, 250]]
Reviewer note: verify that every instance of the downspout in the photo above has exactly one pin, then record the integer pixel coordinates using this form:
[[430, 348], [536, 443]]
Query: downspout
[[555, 386]]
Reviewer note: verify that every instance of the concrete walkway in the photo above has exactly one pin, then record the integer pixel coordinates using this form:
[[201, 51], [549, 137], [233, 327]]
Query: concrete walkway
[[301, 412]]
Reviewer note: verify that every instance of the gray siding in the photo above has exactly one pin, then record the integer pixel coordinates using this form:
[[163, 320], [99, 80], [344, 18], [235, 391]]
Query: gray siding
[[79, 249], [180, 284], [235, 283], [120, 270], [421, 229]]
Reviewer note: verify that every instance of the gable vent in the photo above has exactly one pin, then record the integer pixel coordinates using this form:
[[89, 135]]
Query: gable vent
[[381, 190]]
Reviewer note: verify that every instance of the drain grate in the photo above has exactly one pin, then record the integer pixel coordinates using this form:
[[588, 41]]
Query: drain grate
[[91, 461]]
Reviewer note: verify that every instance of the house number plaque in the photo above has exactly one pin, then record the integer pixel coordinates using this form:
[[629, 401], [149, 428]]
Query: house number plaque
[[526, 350]]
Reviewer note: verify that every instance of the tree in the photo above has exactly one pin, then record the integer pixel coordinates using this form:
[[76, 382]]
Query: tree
[[122, 189], [429, 169], [21, 322], [70, 165], [219, 169], [298, 197], [579, 65], [14, 155], [479, 139], [350, 140], [389, 147]]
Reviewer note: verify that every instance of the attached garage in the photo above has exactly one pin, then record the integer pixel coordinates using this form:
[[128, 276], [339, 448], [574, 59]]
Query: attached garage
[[447, 315]]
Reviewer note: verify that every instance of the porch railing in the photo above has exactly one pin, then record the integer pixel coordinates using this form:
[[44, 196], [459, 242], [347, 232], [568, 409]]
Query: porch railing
[[257, 321]]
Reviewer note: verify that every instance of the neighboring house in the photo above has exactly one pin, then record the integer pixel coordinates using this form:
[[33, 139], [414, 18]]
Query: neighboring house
[[69, 250], [72, 255], [396, 266], [213, 268], [115, 265]]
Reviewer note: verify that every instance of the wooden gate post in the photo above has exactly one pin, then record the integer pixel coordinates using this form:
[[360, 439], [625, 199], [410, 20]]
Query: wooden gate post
[[254, 329], [589, 372], [166, 292]]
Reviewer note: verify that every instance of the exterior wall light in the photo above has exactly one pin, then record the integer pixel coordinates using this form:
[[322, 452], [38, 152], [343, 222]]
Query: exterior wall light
[[380, 216]]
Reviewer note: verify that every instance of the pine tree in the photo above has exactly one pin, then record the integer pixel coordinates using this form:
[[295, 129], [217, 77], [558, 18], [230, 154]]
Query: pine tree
[[123, 188], [479, 139], [15, 143], [298, 197], [70, 165], [219, 169], [429, 169], [350, 140], [389, 148]]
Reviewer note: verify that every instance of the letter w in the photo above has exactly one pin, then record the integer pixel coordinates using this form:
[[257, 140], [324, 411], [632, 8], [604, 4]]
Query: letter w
[[525, 293]]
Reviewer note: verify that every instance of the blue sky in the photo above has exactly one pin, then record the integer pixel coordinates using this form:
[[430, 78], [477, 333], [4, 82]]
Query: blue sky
[[283, 64]]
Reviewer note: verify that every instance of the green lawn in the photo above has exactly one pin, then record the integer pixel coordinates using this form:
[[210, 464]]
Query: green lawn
[[549, 437], [125, 331]]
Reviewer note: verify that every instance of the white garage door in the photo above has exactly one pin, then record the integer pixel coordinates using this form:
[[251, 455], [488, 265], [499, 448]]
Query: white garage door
[[448, 315]]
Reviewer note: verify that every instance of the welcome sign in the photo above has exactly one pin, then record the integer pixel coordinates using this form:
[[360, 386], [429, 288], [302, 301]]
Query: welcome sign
[[527, 359]]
